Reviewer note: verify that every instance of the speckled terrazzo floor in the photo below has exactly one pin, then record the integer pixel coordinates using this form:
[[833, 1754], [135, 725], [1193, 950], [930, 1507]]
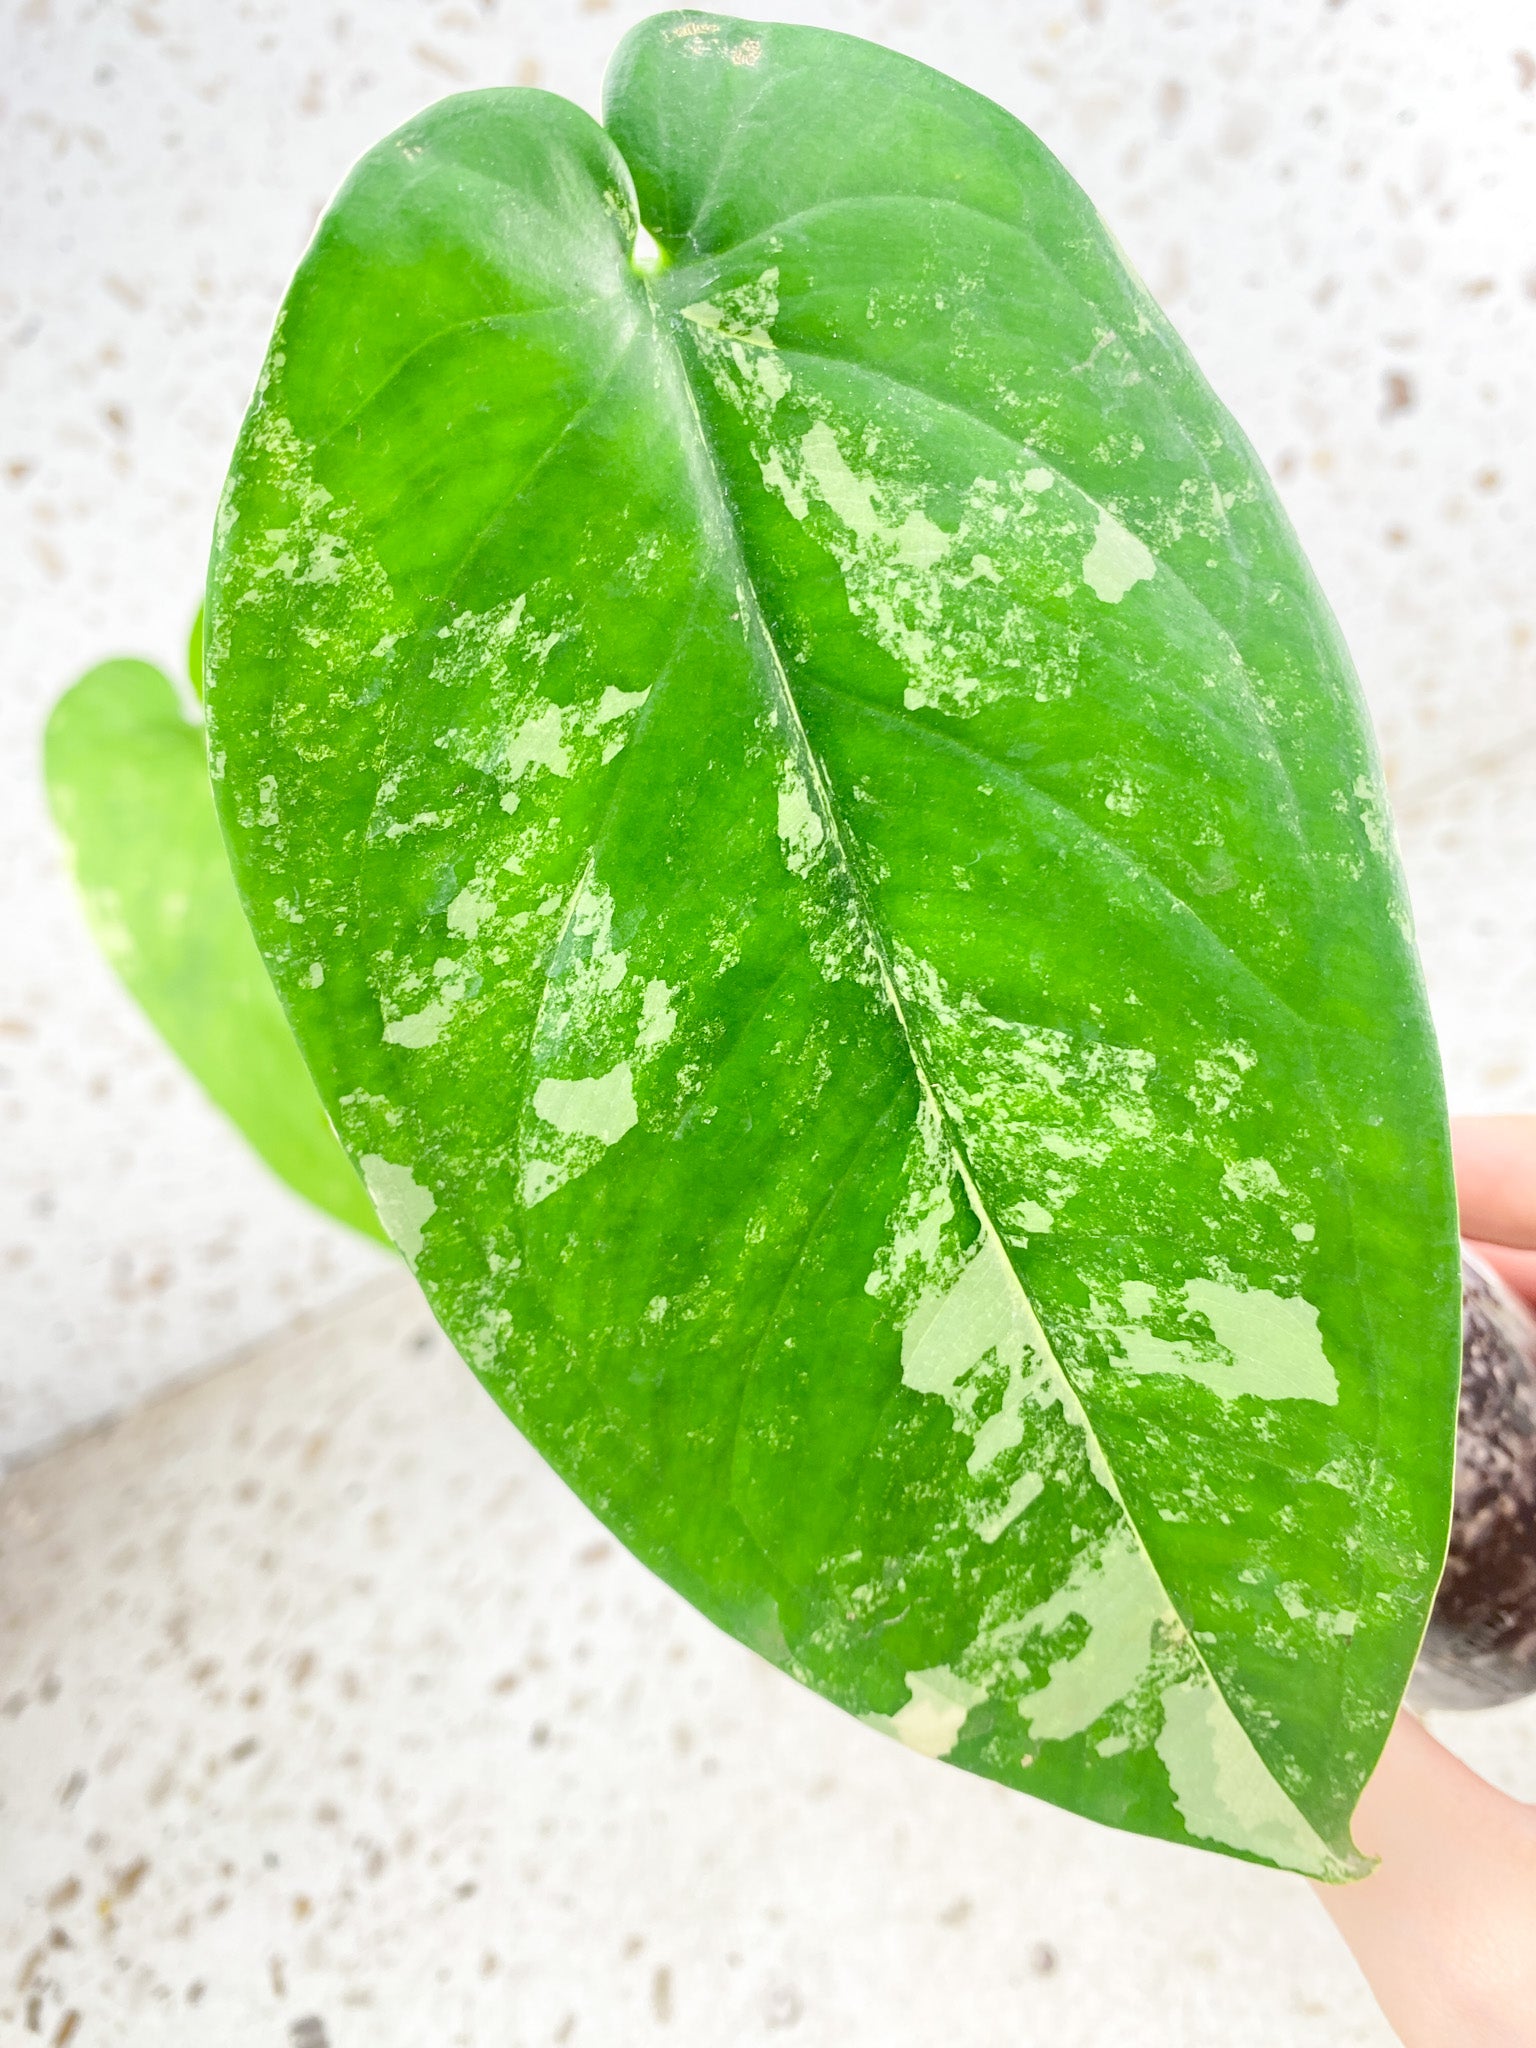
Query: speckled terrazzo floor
[[1331, 202], [329, 1719]]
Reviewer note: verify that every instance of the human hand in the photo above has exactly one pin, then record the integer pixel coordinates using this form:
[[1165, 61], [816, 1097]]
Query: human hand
[[1444, 1929], [1496, 1188]]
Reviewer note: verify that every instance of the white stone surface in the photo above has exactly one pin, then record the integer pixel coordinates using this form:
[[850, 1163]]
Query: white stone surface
[[321, 1701], [1331, 201], [325, 1703]]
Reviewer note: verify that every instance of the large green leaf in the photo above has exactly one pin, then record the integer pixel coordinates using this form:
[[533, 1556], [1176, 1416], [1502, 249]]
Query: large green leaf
[[127, 779], [822, 844]]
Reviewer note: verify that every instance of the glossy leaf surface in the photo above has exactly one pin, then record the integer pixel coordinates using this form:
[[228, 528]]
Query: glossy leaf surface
[[127, 778], [823, 847]]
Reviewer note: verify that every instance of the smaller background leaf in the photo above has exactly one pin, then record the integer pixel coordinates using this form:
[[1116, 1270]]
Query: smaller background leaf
[[128, 783], [195, 654]]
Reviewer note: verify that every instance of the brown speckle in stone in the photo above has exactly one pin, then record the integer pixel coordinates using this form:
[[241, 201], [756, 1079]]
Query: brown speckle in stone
[[661, 1994], [438, 60], [1043, 1959], [956, 1914], [63, 1895], [782, 2007]]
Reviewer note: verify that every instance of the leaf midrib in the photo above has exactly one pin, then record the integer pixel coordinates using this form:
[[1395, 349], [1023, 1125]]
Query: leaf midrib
[[1016, 230], [669, 344], [1021, 449], [708, 265]]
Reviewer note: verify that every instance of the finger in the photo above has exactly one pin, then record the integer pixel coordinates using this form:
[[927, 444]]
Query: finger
[[1441, 1927], [1496, 1178], [1515, 1269]]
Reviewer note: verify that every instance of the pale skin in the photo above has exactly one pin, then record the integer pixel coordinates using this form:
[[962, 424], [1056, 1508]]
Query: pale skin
[[1444, 1928]]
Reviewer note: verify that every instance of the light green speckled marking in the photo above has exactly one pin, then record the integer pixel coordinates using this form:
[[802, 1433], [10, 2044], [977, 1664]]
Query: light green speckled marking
[[1267, 1345], [1026, 1489], [404, 1206], [962, 1324], [1221, 1787], [916, 543], [1117, 560], [802, 830], [1274, 1340], [658, 1019], [601, 1106], [1374, 814], [424, 1026], [955, 1327], [468, 911], [538, 742], [598, 1015], [935, 1713], [1026, 1218], [615, 703], [587, 1115], [1252, 1180], [1118, 1595]]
